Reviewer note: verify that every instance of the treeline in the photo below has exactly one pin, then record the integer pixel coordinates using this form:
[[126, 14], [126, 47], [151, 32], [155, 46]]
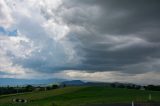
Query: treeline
[[133, 86], [128, 86], [153, 87], [28, 88]]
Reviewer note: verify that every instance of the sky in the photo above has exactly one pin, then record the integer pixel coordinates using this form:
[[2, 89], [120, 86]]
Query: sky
[[93, 40]]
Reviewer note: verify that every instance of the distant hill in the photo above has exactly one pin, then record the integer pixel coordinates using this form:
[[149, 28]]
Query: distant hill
[[22, 82], [74, 82]]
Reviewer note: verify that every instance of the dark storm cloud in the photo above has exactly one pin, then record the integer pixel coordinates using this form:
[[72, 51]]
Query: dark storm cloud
[[124, 33], [123, 17]]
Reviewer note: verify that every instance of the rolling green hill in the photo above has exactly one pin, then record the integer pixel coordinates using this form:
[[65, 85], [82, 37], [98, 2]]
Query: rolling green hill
[[74, 96]]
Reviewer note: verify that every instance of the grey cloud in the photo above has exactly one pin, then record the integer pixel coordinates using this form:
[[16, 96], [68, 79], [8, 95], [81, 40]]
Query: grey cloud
[[132, 19], [105, 35]]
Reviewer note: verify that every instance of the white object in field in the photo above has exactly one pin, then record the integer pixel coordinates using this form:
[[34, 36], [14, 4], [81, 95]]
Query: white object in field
[[14, 100], [150, 97], [19, 100], [25, 101], [132, 103]]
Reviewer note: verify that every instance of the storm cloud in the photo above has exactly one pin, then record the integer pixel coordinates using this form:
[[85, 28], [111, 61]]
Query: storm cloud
[[86, 36]]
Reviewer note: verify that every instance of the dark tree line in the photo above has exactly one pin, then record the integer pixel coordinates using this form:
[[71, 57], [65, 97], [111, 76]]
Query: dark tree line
[[133, 86], [128, 86], [28, 88], [153, 87]]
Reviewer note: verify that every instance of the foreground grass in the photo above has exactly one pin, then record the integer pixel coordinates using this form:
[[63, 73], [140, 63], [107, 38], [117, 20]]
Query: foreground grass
[[74, 96]]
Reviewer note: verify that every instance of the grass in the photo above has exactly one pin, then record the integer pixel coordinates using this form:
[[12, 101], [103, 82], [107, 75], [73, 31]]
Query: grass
[[78, 96]]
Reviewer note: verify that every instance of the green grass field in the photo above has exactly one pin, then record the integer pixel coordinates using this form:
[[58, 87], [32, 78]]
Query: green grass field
[[75, 96]]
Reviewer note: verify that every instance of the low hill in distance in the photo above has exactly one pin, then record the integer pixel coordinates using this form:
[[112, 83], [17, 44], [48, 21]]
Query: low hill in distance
[[73, 82]]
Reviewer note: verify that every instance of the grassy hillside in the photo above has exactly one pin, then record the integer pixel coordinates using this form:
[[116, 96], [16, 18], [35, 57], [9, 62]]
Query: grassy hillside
[[74, 96]]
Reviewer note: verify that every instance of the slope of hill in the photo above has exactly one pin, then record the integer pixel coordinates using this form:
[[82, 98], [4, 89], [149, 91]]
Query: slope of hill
[[75, 96], [73, 82]]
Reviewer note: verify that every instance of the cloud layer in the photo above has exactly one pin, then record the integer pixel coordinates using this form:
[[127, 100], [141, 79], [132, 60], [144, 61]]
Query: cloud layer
[[108, 36]]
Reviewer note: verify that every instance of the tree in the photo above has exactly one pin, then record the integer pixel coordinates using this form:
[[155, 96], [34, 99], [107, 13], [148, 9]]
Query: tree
[[54, 86], [29, 88]]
